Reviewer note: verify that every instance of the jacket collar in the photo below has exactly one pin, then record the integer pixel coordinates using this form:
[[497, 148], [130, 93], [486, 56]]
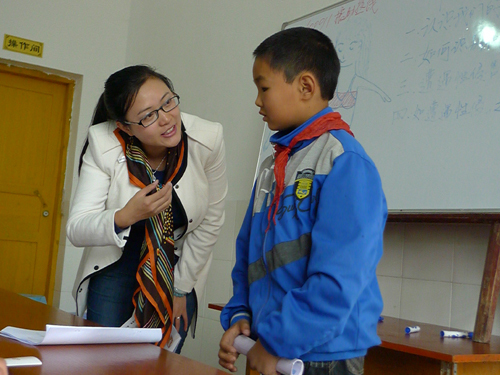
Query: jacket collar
[[197, 130]]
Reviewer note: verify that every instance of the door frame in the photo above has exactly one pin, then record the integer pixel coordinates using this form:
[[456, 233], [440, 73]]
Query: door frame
[[68, 156]]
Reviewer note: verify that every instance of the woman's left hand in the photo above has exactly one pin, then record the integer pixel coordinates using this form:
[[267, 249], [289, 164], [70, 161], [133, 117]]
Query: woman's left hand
[[180, 311]]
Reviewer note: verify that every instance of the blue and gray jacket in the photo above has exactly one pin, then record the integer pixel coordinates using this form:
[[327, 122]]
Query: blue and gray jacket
[[308, 285]]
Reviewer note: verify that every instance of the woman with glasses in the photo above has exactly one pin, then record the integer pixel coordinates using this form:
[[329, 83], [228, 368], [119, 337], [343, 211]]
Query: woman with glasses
[[148, 208]]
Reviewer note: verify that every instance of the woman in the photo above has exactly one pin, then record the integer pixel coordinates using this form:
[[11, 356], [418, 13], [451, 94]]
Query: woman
[[150, 196]]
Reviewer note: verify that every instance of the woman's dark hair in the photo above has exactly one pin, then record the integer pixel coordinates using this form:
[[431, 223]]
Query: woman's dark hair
[[120, 91]]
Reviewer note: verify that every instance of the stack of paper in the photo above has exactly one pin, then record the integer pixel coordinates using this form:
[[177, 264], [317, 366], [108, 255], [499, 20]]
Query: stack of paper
[[65, 335]]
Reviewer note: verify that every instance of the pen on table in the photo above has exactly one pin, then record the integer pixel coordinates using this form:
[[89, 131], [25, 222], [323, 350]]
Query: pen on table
[[413, 329], [457, 334]]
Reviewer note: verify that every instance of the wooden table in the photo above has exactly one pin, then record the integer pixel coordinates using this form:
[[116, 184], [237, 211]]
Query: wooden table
[[425, 352], [121, 359]]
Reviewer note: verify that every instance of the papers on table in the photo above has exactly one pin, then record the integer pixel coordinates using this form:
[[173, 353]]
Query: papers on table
[[243, 344], [65, 335], [173, 341]]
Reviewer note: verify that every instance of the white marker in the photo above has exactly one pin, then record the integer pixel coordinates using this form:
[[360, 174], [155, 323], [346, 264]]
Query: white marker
[[457, 334], [413, 329]]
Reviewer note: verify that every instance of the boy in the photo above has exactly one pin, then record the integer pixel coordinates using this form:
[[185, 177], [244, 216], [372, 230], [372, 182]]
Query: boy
[[304, 281]]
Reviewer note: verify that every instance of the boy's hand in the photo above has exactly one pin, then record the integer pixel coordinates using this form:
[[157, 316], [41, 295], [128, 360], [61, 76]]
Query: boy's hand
[[227, 352], [261, 361]]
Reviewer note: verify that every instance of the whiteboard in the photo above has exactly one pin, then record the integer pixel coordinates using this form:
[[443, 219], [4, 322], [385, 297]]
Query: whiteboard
[[420, 87]]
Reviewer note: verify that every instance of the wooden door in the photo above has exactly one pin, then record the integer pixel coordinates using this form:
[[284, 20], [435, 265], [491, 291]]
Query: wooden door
[[35, 110]]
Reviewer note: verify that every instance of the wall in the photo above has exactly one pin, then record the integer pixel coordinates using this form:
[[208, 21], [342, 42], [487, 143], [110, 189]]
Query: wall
[[432, 273], [84, 41], [429, 273]]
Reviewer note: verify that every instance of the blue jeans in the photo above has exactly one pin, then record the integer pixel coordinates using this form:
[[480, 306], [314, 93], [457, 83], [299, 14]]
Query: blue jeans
[[353, 366], [109, 300]]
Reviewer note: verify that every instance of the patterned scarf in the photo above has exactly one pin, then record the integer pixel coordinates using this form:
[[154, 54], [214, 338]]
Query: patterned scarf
[[153, 299], [330, 121]]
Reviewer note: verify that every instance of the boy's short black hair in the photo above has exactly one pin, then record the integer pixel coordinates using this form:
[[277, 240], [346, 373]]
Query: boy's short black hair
[[299, 49]]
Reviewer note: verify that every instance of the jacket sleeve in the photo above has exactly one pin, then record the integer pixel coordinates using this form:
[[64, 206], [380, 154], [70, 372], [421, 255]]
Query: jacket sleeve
[[198, 244], [238, 307], [346, 246], [90, 223]]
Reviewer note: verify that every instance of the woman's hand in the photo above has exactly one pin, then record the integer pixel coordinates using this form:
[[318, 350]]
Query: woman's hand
[[143, 206], [180, 311]]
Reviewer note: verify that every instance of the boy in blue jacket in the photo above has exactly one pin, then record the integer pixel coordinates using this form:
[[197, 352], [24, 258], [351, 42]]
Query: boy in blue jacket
[[304, 282]]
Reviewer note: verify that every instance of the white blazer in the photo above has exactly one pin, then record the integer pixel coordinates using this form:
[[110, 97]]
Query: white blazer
[[104, 188]]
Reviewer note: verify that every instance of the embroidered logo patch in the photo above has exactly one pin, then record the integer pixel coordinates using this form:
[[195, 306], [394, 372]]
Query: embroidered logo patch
[[303, 183]]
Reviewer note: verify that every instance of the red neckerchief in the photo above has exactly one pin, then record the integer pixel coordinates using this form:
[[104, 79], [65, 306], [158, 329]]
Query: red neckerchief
[[330, 121]]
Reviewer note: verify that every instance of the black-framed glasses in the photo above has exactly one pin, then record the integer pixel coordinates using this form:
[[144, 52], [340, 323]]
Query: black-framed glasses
[[152, 116]]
